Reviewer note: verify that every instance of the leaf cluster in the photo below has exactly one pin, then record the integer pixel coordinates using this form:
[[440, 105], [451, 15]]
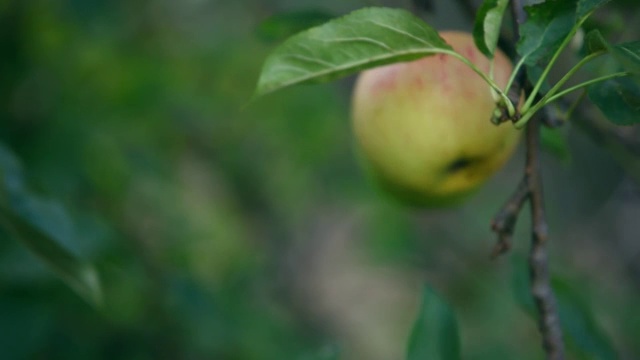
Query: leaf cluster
[[372, 37]]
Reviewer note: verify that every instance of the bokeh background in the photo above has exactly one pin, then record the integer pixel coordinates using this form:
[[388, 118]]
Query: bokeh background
[[225, 228]]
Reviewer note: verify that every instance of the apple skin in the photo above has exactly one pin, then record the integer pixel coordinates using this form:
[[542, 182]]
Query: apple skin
[[423, 127]]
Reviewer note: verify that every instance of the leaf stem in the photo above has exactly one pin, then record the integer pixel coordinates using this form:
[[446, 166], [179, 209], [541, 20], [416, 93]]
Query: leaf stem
[[543, 102], [585, 84], [514, 73], [570, 73], [547, 69], [557, 86], [487, 79], [574, 105]]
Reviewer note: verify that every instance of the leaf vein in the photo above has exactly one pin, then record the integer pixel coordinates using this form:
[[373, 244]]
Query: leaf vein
[[361, 39], [309, 59], [422, 41], [351, 65]]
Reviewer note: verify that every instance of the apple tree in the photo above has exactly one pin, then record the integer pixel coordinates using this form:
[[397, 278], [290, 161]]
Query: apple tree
[[529, 102]]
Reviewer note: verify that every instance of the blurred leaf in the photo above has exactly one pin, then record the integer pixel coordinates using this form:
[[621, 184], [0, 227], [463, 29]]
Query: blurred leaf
[[25, 322], [607, 27], [554, 142], [587, 6], [206, 325], [520, 284], [327, 352], [281, 26], [435, 332], [547, 25], [628, 55], [578, 323], [618, 99], [580, 329], [534, 73], [486, 30], [626, 4], [362, 39], [425, 5], [594, 42], [39, 225], [79, 275]]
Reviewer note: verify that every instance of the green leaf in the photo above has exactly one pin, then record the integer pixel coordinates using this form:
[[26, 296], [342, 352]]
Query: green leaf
[[555, 143], [618, 99], [435, 333], [486, 30], [327, 352], [79, 275], [628, 55], [534, 73], [547, 25], [362, 39], [585, 7], [581, 329], [281, 26], [595, 42], [520, 284], [424, 5], [43, 228]]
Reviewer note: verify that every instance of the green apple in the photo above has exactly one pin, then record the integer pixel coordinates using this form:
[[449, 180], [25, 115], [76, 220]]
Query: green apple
[[424, 127]]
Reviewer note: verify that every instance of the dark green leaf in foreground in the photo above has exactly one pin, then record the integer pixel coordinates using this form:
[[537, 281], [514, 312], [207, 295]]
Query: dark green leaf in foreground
[[486, 29], [435, 333], [547, 25], [618, 99], [628, 55], [362, 39], [281, 26], [41, 227], [79, 275], [587, 6]]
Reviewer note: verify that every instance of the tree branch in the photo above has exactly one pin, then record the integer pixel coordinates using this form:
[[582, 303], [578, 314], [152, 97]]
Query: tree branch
[[504, 222], [531, 189], [538, 259]]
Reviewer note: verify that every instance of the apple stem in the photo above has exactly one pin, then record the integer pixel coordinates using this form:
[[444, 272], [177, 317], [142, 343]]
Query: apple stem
[[503, 96], [567, 76], [549, 99], [553, 60], [515, 72], [584, 85]]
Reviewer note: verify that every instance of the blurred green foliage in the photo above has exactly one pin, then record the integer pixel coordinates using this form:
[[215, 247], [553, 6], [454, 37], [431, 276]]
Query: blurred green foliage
[[223, 229]]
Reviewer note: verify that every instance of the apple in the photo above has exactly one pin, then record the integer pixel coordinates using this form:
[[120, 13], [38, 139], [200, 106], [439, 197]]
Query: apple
[[424, 127]]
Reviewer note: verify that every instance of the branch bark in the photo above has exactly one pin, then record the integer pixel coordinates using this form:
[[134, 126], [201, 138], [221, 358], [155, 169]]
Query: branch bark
[[530, 189], [538, 259]]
